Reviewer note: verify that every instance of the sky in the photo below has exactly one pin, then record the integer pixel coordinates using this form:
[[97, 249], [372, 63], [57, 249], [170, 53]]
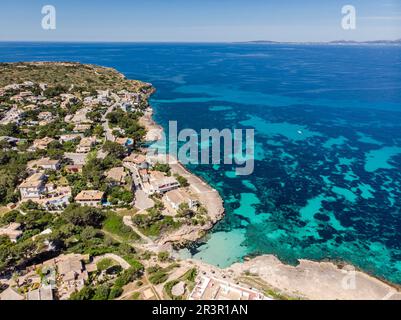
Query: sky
[[199, 20]]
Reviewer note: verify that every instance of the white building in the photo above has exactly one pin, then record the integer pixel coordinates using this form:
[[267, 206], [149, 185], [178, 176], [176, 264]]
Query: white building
[[32, 187], [92, 198], [45, 164], [77, 158], [70, 137], [179, 196], [162, 184]]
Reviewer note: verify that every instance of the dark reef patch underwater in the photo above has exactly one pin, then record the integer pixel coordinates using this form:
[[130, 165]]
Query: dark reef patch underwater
[[327, 125]]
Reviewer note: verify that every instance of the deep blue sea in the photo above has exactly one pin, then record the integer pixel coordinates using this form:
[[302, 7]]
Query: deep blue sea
[[327, 123]]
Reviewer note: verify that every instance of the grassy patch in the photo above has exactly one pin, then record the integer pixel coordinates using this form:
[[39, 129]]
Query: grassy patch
[[3, 211], [158, 277], [167, 224], [136, 296], [105, 264], [115, 225], [132, 261], [190, 275]]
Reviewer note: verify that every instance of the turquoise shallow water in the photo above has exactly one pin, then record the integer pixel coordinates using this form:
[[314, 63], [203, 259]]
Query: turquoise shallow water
[[327, 126]]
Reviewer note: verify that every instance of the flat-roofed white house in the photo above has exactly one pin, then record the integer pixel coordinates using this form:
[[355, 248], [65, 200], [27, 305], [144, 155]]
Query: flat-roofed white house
[[70, 137], [76, 158], [137, 159], [159, 183], [45, 164], [81, 127], [42, 293], [32, 187], [92, 198]]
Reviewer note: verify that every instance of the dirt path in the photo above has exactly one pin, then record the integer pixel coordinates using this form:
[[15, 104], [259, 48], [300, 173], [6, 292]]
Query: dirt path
[[128, 222]]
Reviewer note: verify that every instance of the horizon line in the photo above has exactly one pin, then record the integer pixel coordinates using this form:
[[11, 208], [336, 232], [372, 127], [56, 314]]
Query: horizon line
[[199, 42]]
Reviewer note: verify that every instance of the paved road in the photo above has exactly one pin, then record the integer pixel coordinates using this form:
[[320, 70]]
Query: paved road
[[108, 132], [142, 201]]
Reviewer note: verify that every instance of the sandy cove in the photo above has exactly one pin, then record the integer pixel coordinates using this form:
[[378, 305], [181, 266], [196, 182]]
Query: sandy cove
[[154, 130]]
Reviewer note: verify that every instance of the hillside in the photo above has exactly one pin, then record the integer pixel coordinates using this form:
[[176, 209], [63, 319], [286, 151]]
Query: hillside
[[66, 74]]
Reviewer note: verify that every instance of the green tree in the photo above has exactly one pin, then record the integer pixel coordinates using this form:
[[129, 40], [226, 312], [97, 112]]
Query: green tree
[[114, 149], [115, 292], [184, 211], [86, 293], [162, 167], [182, 181], [101, 292], [98, 131], [163, 256], [83, 216]]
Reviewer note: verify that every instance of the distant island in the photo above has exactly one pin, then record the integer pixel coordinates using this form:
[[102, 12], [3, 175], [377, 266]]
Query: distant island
[[334, 42]]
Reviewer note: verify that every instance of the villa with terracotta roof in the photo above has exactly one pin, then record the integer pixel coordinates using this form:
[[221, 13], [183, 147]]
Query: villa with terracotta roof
[[116, 176], [86, 144], [76, 158], [92, 198], [41, 144], [82, 127], [135, 158], [73, 168]]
